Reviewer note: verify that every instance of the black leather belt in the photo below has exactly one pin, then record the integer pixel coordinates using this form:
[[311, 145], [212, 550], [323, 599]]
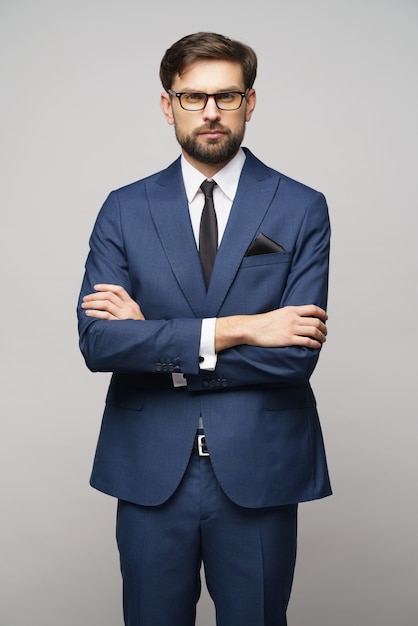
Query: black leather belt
[[200, 445]]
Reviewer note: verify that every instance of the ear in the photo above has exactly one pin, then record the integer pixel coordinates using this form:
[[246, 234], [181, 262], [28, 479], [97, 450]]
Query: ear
[[250, 101], [166, 108]]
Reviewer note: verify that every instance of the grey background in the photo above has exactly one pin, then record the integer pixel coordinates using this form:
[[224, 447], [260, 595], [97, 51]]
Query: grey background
[[337, 109]]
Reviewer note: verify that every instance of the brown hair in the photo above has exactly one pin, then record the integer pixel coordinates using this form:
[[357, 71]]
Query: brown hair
[[201, 46]]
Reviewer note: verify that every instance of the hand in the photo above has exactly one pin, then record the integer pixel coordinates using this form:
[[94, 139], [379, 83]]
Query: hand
[[289, 326], [111, 302]]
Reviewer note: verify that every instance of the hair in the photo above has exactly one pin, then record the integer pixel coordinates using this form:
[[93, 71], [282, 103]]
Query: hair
[[201, 46]]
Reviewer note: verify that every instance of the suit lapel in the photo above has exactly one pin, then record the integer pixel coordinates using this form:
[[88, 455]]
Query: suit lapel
[[257, 187], [170, 212], [169, 209]]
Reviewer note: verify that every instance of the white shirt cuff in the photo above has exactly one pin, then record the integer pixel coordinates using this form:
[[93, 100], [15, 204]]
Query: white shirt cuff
[[207, 355]]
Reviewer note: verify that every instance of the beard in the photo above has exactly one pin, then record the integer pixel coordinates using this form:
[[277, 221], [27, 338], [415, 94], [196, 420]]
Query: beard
[[215, 150]]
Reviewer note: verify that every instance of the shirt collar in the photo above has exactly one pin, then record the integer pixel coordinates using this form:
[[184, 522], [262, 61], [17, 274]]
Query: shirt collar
[[227, 178]]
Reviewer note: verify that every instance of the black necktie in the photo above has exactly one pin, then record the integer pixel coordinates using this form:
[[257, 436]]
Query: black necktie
[[208, 234]]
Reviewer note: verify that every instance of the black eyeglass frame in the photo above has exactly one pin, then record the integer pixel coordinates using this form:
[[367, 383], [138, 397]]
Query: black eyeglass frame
[[207, 96]]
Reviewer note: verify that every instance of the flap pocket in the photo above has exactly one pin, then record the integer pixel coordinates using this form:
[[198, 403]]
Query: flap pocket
[[123, 392]]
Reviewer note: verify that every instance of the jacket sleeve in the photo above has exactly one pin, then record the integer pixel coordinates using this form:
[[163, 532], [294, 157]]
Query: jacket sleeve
[[307, 283], [129, 346]]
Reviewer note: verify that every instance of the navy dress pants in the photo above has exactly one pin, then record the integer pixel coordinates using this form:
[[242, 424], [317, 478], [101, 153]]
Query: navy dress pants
[[248, 556]]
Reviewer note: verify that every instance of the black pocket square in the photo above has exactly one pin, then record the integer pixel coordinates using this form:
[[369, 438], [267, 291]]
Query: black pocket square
[[263, 245]]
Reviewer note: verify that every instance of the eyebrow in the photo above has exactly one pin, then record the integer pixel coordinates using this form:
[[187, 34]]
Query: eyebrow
[[191, 90]]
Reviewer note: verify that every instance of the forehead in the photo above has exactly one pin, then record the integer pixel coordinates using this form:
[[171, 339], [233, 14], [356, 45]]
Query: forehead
[[210, 75]]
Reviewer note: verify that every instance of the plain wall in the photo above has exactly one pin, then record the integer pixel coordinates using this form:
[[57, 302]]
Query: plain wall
[[337, 109]]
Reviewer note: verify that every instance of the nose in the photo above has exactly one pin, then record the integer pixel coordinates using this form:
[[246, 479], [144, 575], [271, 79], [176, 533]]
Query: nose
[[211, 111]]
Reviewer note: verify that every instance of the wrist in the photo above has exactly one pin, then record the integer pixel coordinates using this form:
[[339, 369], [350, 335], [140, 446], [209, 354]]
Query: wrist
[[231, 331]]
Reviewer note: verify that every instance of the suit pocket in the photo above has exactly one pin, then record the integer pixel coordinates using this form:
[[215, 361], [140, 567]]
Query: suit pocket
[[265, 259], [124, 392]]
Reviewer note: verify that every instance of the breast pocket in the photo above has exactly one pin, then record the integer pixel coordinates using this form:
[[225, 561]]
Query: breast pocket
[[259, 284], [259, 260]]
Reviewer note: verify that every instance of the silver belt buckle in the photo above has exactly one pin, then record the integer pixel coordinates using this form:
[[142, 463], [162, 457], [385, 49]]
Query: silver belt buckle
[[202, 449]]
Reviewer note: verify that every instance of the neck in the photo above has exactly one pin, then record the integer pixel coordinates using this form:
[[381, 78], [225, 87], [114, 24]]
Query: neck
[[207, 169]]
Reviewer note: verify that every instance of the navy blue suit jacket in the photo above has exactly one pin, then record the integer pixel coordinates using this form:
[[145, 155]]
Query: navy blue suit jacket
[[259, 412]]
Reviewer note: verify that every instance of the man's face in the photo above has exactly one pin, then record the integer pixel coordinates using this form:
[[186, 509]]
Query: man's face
[[211, 137]]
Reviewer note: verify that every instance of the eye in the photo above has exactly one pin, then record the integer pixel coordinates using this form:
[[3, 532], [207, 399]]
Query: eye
[[194, 98], [226, 96]]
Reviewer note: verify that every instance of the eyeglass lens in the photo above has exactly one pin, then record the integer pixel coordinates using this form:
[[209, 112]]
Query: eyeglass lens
[[227, 101]]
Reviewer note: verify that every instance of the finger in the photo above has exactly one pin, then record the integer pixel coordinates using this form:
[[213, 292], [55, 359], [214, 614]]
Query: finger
[[314, 322], [106, 287], [117, 290], [307, 342], [104, 296], [312, 332], [102, 315], [97, 295], [315, 325], [101, 305], [311, 310], [317, 312]]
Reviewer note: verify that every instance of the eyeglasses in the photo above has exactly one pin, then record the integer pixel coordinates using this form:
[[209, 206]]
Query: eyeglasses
[[196, 100]]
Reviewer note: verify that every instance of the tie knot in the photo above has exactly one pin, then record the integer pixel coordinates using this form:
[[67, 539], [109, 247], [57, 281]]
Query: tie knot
[[207, 188]]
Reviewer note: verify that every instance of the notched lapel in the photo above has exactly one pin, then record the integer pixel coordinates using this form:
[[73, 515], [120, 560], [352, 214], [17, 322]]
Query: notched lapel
[[256, 190], [169, 209]]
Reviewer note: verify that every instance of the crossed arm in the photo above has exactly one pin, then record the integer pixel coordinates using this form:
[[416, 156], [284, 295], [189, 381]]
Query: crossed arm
[[288, 326]]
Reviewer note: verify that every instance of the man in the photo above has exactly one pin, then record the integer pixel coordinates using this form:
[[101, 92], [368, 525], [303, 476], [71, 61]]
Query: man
[[210, 436]]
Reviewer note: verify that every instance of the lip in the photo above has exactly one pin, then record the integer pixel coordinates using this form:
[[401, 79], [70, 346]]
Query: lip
[[212, 134]]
